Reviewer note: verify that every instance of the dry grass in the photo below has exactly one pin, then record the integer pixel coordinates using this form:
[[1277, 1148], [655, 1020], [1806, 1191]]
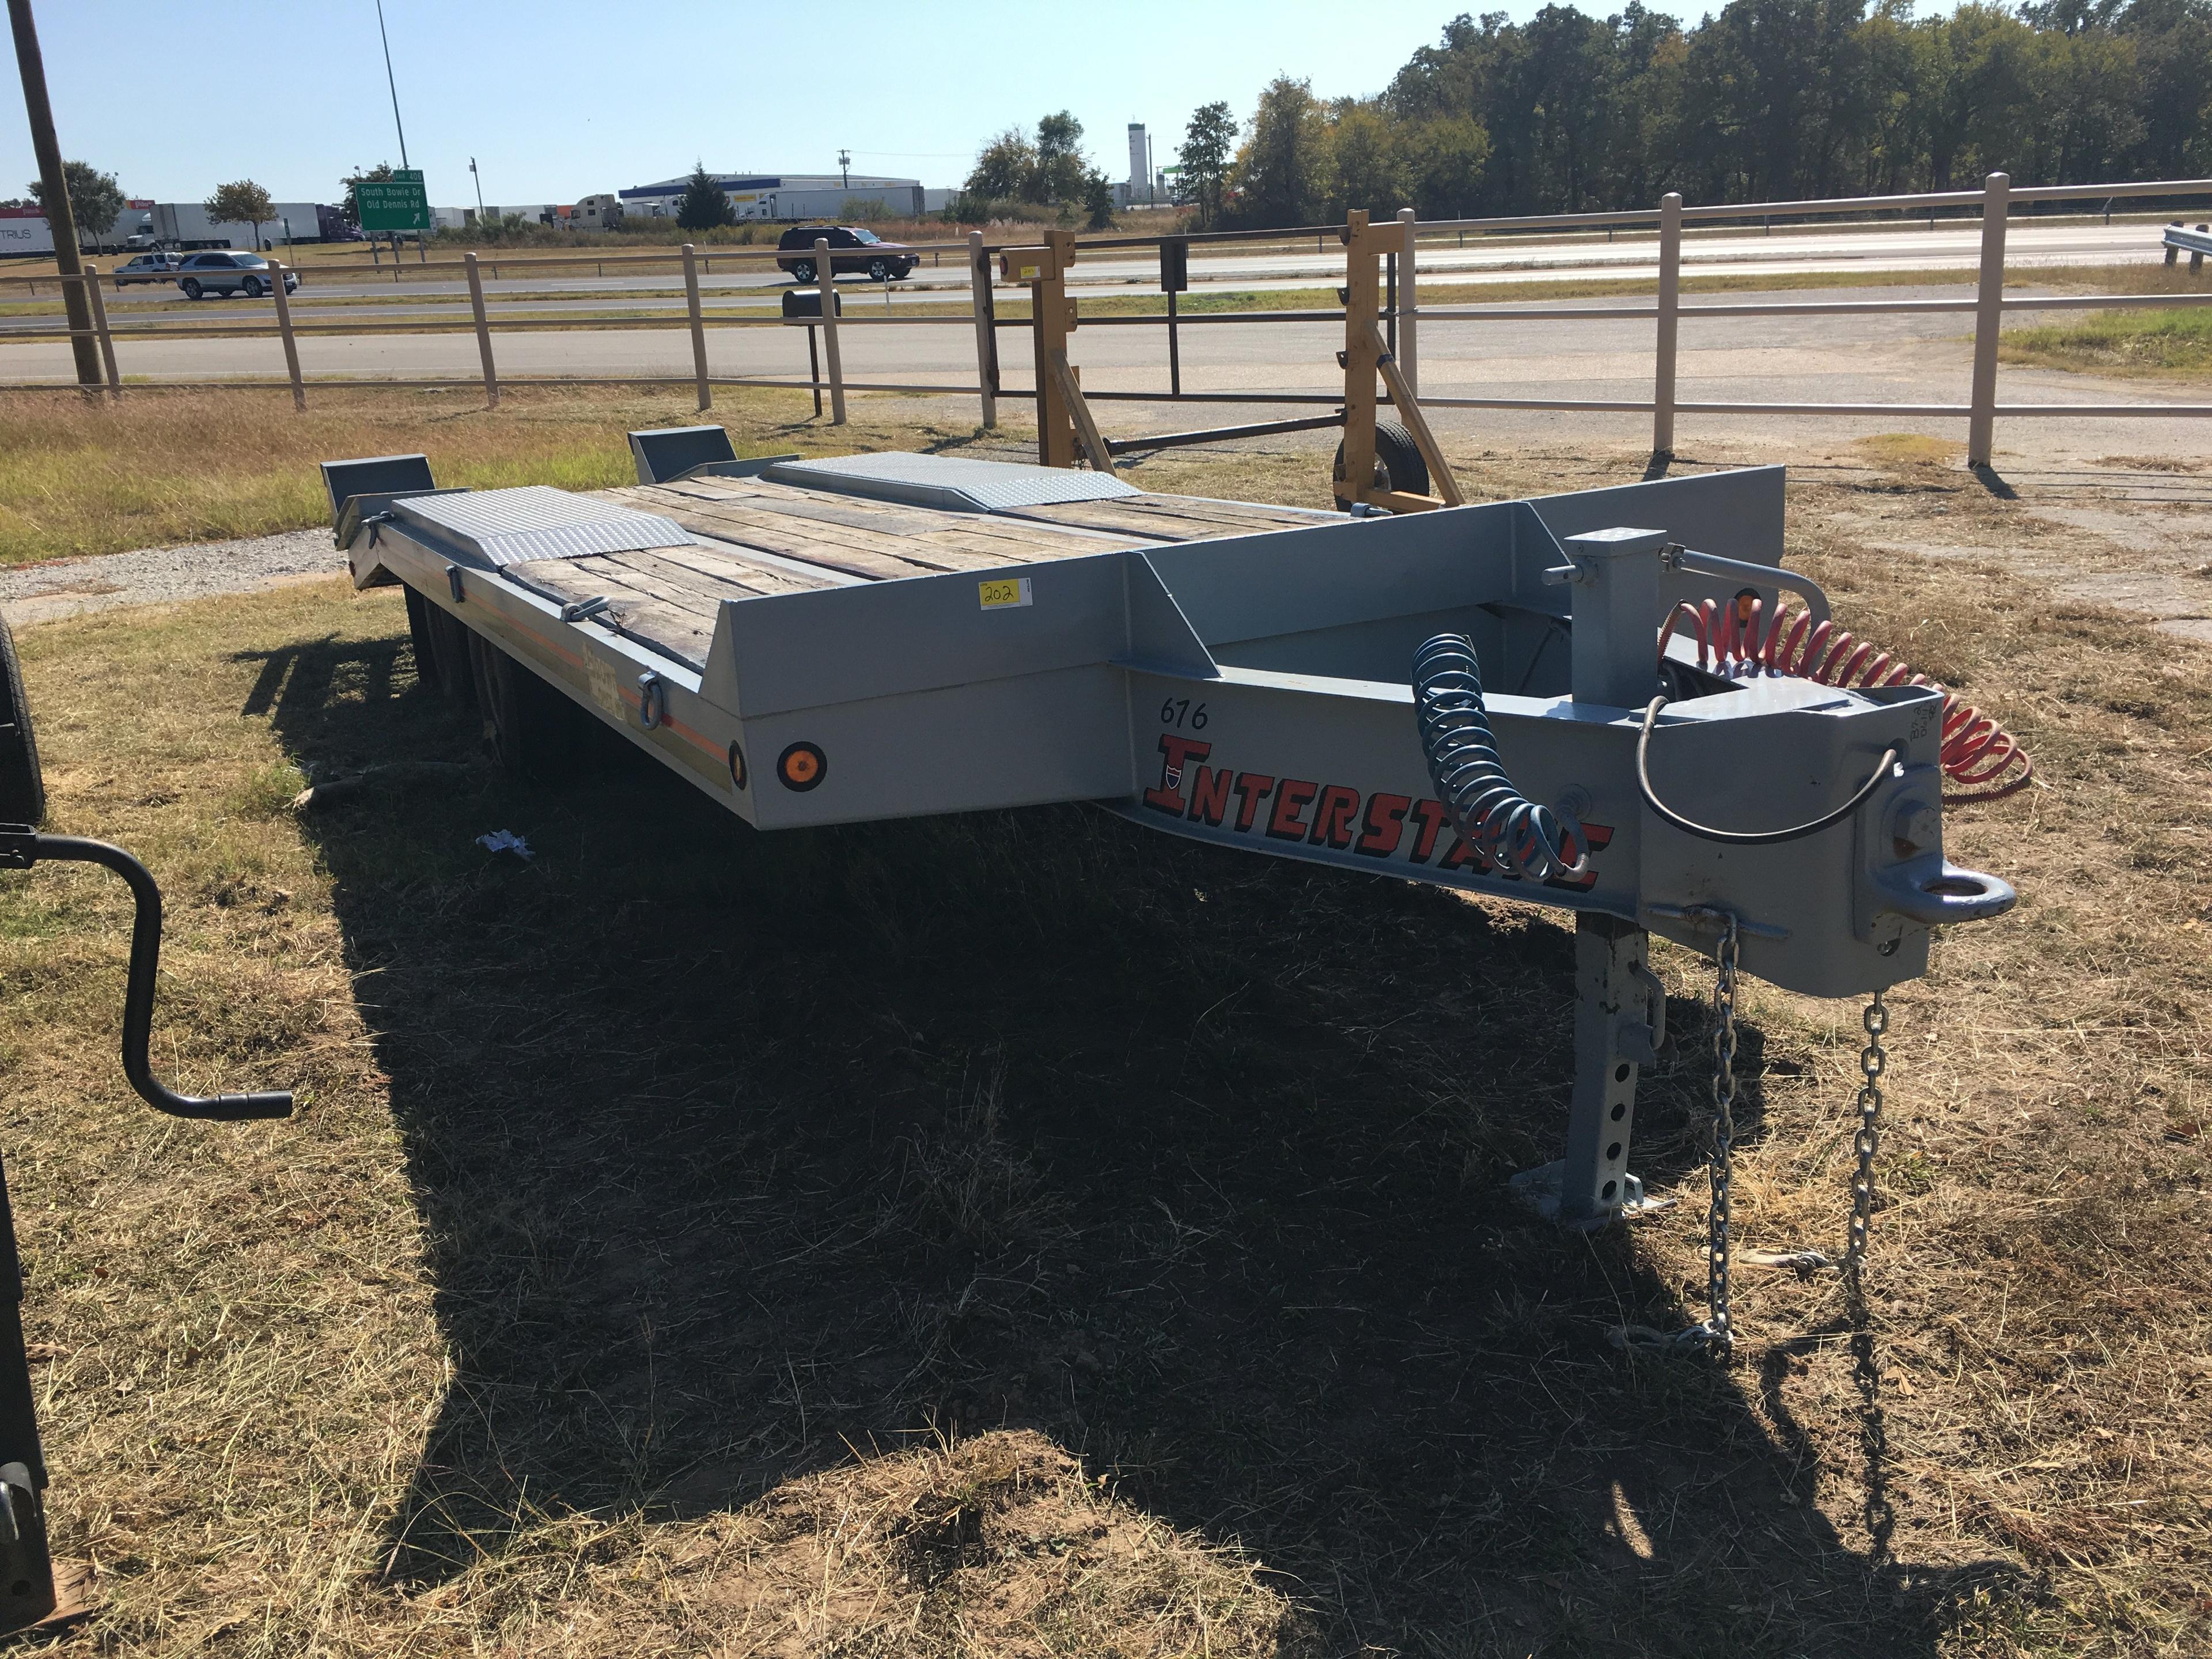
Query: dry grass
[[81, 477], [699, 1242]]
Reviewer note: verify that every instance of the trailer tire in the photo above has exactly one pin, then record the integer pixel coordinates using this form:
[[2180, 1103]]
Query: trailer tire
[[531, 728], [23, 789], [441, 651], [1398, 463]]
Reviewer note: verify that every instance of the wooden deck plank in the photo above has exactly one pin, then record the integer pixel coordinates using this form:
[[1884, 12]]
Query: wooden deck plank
[[653, 621], [1011, 540]]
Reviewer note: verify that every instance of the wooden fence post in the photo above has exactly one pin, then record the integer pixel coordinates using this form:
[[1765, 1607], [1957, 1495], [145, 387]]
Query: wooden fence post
[[284, 330], [99, 327], [1670, 301], [698, 327], [1408, 354], [987, 345], [484, 329], [1989, 314], [825, 285]]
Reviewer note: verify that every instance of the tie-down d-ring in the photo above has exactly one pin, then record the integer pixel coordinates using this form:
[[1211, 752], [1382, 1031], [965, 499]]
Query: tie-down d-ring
[[652, 700]]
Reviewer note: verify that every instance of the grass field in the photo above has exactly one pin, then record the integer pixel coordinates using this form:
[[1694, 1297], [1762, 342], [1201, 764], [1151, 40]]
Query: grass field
[[160, 467], [1022, 1234]]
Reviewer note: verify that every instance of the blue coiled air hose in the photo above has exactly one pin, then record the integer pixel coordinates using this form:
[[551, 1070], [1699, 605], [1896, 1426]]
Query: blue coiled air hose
[[1490, 814]]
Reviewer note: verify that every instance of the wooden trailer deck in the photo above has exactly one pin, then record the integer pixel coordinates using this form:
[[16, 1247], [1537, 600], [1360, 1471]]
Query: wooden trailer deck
[[756, 538]]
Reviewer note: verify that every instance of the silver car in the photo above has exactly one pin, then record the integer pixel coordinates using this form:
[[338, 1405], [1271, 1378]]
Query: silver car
[[224, 274], [148, 268]]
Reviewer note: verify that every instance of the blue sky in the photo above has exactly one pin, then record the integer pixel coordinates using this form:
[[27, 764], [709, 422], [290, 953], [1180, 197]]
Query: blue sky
[[561, 98]]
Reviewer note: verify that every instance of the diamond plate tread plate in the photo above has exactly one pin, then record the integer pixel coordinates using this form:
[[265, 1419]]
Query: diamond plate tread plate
[[500, 527], [953, 482]]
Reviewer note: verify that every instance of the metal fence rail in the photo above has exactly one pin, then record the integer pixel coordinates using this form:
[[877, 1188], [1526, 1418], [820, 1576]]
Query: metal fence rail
[[1994, 203]]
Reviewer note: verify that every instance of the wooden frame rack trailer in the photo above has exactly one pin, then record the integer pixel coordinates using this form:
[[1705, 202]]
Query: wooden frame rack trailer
[[1380, 465], [887, 635]]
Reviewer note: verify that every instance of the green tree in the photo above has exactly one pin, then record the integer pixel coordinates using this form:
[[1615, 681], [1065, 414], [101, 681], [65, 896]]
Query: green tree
[[242, 202], [1097, 200], [1280, 171], [704, 204], [379, 174], [1445, 157], [1004, 170], [1365, 169], [1209, 142], [94, 196], [1060, 166]]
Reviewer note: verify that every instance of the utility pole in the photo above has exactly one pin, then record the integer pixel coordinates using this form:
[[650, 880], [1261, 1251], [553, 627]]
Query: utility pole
[[53, 192], [392, 83], [474, 174], [845, 167]]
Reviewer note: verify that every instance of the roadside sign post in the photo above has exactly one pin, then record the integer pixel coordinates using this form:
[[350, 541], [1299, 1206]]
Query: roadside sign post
[[395, 204]]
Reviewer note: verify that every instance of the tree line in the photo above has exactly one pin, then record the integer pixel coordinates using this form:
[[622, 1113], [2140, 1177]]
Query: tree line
[[1764, 100]]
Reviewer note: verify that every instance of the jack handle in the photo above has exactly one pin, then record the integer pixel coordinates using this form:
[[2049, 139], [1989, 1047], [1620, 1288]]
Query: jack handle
[[1675, 557], [20, 848]]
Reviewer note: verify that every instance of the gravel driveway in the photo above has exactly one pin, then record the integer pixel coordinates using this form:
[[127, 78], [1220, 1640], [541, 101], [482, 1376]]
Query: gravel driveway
[[153, 575]]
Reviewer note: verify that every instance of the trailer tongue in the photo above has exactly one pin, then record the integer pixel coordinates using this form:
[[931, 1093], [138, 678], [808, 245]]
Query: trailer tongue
[[1489, 698]]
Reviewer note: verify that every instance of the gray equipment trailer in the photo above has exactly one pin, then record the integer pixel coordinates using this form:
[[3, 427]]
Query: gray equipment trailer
[[881, 636]]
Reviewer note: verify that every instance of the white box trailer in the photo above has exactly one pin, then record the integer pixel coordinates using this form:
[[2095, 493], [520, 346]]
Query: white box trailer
[[186, 225], [23, 232]]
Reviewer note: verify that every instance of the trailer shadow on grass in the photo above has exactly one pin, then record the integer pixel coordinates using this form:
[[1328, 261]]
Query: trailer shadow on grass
[[741, 1155]]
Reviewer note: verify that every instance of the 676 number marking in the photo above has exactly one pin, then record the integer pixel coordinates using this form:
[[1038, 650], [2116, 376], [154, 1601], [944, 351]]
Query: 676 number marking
[[1180, 711]]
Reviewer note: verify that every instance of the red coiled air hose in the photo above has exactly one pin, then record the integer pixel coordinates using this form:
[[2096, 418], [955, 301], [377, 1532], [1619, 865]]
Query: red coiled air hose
[[1977, 753]]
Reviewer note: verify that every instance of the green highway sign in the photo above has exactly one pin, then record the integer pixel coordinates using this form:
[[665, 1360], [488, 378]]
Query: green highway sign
[[396, 204]]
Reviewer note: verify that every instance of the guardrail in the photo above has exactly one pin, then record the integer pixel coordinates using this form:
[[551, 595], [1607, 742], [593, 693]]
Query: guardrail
[[1994, 203]]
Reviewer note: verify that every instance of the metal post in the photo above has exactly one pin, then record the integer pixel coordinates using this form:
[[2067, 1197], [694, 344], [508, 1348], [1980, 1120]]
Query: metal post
[[1175, 350], [1670, 301], [99, 324], [284, 332], [1989, 314], [987, 345], [698, 327], [2170, 249], [814, 370], [1390, 302], [1409, 362], [825, 281], [1614, 1034], [484, 329]]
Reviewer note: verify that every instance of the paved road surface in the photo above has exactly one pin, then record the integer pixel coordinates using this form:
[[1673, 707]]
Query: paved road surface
[[1955, 245], [1882, 358]]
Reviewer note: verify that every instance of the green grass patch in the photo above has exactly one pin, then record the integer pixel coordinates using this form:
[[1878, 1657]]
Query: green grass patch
[[2162, 343]]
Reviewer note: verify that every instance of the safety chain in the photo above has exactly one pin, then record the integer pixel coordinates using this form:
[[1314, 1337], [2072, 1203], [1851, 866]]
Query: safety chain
[[1716, 1334], [1866, 1141]]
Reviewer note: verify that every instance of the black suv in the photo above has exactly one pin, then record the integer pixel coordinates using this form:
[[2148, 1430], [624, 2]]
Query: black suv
[[881, 261]]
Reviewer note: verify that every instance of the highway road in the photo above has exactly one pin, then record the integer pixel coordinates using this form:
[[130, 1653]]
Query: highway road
[[1955, 245], [1886, 358]]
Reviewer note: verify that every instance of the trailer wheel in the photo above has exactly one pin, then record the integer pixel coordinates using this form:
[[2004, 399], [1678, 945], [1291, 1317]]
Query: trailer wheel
[[441, 651], [23, 790], [532, 729], [1398, 463]]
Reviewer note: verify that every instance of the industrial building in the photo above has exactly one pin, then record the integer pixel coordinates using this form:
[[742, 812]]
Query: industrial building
[[794, 195]]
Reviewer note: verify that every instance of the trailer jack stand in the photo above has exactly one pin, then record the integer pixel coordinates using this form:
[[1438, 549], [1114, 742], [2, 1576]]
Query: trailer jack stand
[[39, 1595], [1621, 1025]]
